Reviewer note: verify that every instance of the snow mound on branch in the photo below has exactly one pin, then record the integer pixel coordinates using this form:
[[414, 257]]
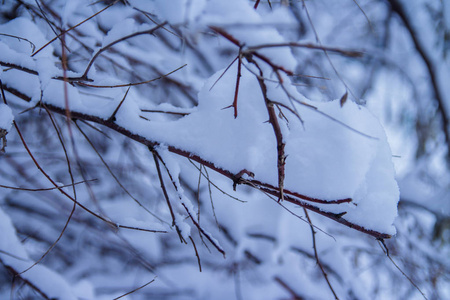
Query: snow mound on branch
[[339, 152]]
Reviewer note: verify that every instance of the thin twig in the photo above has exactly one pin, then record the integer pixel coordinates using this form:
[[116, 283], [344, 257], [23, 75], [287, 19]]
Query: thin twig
[[73, 27], [101, 50], [349, 53], [156, 158], [43, 189], [112, 118], [178, 189], [74, 195], [136, 289], [386, 251], [113, 175], [33, 46], [129, 84], [316, 255], [196, 254]]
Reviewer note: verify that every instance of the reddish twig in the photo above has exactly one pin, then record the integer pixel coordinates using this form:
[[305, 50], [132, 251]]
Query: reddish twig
[[113, 175], [196, 254], [28, 282], [238, 79], [80, 82], [273, 120], [246, 54]]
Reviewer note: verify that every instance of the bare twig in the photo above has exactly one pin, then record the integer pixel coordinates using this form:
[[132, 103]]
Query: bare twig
[[349, 53], [114, 176], [73, 27], [82, 83], [316, 255], [386, 251], [112, 118], [200, 228], [42, 189], [156, 158], [134, 34], [33, 46], [196, 254], [273, 120], [136, 289], [293, 294]]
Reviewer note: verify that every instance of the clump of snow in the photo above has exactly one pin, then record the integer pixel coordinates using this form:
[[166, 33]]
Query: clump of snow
[[340, 152], [25, 29], [6, 117]]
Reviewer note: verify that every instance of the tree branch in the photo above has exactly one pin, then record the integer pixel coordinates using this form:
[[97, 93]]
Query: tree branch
[[293, 197]]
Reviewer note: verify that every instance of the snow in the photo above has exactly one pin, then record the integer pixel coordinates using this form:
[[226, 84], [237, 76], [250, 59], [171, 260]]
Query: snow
[[6, 117], [24, 28], [325, 159]]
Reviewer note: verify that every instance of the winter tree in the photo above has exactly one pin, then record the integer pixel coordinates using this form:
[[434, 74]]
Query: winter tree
[[208, 149]]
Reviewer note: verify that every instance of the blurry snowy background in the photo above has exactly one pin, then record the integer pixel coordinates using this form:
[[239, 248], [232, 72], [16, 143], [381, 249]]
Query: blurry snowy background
[[143, 163]]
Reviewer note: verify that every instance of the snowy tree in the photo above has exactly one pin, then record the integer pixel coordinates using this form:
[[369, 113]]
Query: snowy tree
[[208, 149]]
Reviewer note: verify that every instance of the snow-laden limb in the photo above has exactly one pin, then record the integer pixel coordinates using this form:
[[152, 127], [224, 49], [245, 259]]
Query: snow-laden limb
[[13, 255], [337, 160], [325, 159], [340, 153]]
